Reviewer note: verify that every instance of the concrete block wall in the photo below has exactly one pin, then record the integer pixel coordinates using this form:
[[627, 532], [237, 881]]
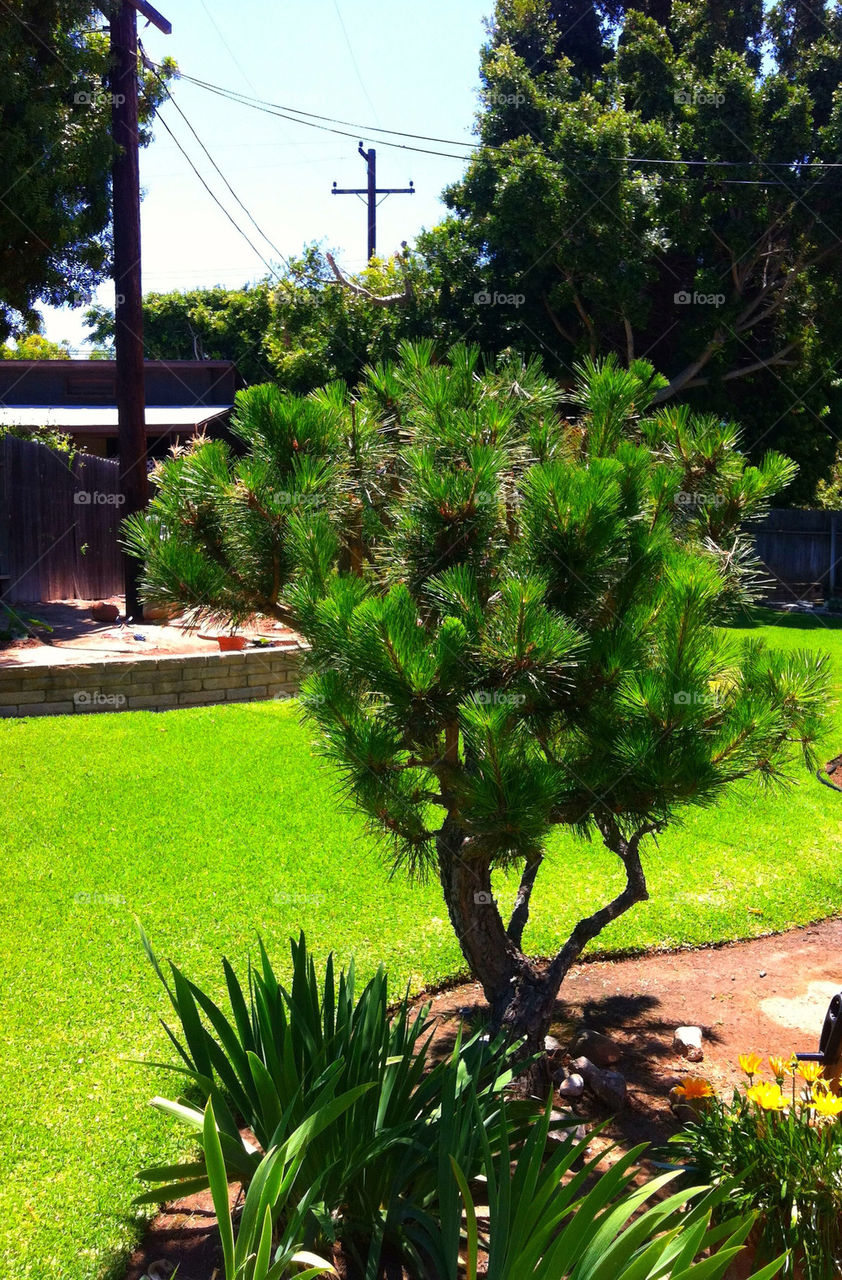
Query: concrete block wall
[[150, 684]]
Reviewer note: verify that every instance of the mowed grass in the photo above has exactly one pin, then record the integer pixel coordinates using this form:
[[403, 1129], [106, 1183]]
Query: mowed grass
[[214, 824]]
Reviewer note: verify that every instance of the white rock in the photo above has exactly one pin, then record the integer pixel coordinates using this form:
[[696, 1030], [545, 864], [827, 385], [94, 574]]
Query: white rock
[[688, 1042], [572, 1087]]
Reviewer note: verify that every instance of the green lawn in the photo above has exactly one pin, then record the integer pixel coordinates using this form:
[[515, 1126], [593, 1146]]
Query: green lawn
[[216, 823]]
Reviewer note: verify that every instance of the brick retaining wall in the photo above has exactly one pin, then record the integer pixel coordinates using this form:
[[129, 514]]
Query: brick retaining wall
[[151, 684]]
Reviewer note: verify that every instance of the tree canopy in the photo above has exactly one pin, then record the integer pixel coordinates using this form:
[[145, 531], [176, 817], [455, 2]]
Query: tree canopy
[[647, 183], [55, 156]]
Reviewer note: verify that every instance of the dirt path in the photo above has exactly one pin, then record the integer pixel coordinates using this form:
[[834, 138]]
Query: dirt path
[[768, 995]]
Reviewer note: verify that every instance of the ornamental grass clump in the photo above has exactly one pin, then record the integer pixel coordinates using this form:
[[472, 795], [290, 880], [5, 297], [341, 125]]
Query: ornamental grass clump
[[780, 1140]]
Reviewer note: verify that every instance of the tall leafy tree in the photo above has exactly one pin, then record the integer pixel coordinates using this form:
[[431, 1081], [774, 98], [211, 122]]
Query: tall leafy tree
[[593, 200], [55, 156], [511, 607]]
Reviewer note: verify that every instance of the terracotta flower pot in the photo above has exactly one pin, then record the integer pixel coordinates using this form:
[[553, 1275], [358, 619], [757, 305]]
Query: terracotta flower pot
[[231, 644]]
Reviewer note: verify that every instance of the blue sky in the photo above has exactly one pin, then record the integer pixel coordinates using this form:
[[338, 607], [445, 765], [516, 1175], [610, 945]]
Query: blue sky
[[392, 63]]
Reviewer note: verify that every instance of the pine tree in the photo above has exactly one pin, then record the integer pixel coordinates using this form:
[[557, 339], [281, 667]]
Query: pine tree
[[512, 608]]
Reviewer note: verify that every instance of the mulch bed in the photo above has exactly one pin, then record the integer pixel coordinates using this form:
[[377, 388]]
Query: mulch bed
[[767, 995]]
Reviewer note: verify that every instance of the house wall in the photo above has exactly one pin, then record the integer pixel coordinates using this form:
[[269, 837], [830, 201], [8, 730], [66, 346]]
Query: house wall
[[149, 684], [91, 382]]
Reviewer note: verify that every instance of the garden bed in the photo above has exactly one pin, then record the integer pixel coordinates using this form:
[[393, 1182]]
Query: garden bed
[[768, 995]]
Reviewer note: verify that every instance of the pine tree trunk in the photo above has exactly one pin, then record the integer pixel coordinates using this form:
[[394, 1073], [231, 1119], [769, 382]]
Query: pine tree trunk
[[521, 995]]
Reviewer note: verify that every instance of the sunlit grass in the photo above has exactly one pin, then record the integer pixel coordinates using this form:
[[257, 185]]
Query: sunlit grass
[[217, 823]]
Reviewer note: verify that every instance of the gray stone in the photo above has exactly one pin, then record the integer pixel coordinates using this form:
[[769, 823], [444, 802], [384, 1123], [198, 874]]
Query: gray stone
[[551, 1045], [608, 1086], [600, 1049], [688, 1042]]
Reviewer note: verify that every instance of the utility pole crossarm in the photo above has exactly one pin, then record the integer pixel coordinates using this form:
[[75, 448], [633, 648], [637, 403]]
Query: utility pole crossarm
[[371, 192], [152, 15]]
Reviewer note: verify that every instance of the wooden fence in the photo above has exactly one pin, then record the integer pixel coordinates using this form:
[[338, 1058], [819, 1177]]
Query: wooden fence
[[59, 524], [801, 551]]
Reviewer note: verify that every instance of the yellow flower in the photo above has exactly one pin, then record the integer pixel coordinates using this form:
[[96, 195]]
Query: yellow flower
[[810, 1071], [768, 1096], [750, 1063], [780, 1067], [693, 1087], [826, 1103]]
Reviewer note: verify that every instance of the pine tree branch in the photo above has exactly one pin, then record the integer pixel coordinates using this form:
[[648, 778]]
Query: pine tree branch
[[628, 851], [520, 912]]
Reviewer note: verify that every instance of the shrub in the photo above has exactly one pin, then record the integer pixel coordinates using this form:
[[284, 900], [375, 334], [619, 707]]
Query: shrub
[[781, 1143], [384, 1117], [547, 1222]]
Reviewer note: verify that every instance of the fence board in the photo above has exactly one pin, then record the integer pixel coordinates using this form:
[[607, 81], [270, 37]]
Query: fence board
[[60, 524], [801, 550]]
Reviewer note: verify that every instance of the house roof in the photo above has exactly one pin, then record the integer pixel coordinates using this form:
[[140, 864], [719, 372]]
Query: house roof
[[101, 420]]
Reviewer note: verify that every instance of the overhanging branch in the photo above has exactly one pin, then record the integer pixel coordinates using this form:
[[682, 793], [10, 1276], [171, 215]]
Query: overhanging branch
[[386, 300]]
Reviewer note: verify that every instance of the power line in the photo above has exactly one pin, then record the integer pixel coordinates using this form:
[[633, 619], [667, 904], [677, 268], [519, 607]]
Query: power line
[[216, 199], [269, 109], [290, 113], [246, 211]]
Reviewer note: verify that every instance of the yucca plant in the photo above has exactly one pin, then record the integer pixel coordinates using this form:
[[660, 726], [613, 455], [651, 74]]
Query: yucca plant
[[272, 1224], [379, 1108], [511, 596], [548, 1219]]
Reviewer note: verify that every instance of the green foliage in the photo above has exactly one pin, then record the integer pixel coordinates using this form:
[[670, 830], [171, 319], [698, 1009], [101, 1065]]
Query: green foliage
[[298, 330], [785, 1165], [512, 614], [548, 1218], [271, 849], [35, 347], [589, 201], [378, 1113], [263, 1251], [55, 156]]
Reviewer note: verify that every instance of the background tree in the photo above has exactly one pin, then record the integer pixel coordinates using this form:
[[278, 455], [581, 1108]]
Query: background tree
[[35, 347], [298, 331], [511, 617], [590, 197], [55, 156]]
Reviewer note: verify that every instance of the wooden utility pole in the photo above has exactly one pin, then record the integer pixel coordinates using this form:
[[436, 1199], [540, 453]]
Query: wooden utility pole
[[128, 309], [371, 191]]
